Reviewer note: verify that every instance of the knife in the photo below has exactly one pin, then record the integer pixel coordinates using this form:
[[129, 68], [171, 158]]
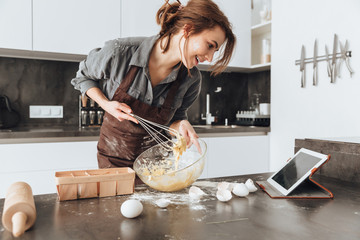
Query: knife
[[302, 66], [328, 61], [342, 51], [315, 64], [333, 75], [346, 58]]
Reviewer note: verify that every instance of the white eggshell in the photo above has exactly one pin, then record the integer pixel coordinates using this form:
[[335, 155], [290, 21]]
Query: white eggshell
[[162, 202], [250, 185], [196, 193], [223, 195], [240, 190], [225, 186], [131, 208]]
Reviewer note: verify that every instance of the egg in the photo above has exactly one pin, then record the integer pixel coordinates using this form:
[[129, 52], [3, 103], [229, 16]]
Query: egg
[[250, 185], [225, 186], [131, 208], [240, 190], [196, 193], [223, 195], [162, 202]]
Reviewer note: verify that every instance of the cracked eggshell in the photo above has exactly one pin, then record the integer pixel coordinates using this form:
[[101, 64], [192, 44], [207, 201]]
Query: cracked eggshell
[[223, 195], [225, 186], [162, 202], [131, 208], [196, 193], [240, 190], [250, 185]]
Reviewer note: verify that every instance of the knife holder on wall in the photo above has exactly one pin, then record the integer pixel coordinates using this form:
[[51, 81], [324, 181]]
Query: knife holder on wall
[[333, 67], [323, 58], [90, 114]]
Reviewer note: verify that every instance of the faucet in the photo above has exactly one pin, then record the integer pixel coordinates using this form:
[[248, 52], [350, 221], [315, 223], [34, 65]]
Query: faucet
[[209, 119]]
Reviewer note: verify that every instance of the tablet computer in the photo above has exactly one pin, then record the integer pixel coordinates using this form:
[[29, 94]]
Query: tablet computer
[[296, 170]]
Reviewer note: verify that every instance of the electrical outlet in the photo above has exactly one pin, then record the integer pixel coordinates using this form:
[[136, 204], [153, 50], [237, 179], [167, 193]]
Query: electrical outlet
[[47, 111]]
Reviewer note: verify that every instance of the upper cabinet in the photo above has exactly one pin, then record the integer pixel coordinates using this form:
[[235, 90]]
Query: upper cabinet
[[76, 27], [261, 33], [138, 17], [15, 24], [68, 30], [239, 15]]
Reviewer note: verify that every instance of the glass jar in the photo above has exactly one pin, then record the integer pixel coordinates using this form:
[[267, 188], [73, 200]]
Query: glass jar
[[266, 51]]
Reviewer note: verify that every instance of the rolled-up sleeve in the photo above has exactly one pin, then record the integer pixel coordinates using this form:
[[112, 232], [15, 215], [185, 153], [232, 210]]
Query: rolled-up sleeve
[[191, 95], [94, 68]]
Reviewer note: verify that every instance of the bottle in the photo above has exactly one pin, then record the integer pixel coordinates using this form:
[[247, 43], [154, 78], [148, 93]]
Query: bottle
[[266, 52]]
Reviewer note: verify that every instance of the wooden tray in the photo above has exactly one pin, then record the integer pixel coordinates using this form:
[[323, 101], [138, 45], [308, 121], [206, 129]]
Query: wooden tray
[[94, 183]]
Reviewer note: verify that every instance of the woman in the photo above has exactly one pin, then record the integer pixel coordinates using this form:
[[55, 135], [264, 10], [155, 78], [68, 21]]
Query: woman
[[155, 77]]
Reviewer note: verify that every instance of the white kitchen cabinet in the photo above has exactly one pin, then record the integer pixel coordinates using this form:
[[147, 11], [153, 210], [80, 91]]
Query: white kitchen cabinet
[[258, 34], [239, 14], [205, 171], [260, 30], [231, 156], [36, 163], [15, 24], [138, 17], [76, 27]]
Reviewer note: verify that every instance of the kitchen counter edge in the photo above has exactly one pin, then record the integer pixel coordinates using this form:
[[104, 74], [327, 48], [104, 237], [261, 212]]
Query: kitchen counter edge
[[75, 134]]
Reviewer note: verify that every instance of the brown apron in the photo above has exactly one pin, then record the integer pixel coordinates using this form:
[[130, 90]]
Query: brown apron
[[121, 142]]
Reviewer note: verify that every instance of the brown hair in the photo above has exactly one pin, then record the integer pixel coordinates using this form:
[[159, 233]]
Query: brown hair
[[200, 15]]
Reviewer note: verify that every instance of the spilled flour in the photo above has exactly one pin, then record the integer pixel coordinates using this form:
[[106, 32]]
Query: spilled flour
[[182, 197], [206, 184]]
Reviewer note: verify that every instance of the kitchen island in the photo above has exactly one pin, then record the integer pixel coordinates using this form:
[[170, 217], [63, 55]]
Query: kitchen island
[[256, 216]]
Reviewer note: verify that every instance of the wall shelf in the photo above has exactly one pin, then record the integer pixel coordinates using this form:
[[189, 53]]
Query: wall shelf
[[250, 69], [261, 67], [261, 29]]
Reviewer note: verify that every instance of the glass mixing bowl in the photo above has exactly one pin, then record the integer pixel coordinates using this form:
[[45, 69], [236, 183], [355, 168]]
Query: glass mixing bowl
[[157, 167]]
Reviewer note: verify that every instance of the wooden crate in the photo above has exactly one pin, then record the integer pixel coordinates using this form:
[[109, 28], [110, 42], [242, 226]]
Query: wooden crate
[[94, 183]]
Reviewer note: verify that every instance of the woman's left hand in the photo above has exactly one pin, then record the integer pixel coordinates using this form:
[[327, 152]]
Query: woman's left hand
[[187, 131]]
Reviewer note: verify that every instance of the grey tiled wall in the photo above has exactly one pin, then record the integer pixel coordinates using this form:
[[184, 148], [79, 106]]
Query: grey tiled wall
[[236, 94], [40, 82]]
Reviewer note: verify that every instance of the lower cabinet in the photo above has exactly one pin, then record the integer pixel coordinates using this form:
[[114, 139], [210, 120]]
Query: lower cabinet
[[36, 163], [230, 156]]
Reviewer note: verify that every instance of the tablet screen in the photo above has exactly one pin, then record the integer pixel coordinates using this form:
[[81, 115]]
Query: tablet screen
[[295, 169]]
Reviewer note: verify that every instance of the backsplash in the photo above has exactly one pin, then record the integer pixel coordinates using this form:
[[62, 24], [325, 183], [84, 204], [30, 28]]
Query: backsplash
[[229, 93], [41, 82]]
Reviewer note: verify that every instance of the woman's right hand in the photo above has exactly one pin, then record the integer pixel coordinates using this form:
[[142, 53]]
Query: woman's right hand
[[117, 109]]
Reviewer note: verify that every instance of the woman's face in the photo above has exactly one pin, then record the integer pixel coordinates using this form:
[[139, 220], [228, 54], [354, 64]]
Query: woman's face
[[202, 46]]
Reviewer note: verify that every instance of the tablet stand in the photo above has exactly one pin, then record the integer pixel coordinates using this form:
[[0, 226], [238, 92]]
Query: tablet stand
[[307, 189]]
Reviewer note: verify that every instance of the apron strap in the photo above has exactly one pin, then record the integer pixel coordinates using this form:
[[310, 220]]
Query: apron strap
[[127, 81]]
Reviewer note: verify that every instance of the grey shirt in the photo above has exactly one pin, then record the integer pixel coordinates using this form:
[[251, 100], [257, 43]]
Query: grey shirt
[[106, 67]]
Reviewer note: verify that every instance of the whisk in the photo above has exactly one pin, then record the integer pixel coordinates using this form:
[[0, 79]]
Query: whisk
[[150, 128]]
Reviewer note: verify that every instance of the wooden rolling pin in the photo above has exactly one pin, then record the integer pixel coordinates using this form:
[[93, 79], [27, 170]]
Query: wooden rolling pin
[[19, 209]]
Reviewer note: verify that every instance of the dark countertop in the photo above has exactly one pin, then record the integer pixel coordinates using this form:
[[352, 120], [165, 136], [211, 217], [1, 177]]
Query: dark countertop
[[74, 133], [255, 217]]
